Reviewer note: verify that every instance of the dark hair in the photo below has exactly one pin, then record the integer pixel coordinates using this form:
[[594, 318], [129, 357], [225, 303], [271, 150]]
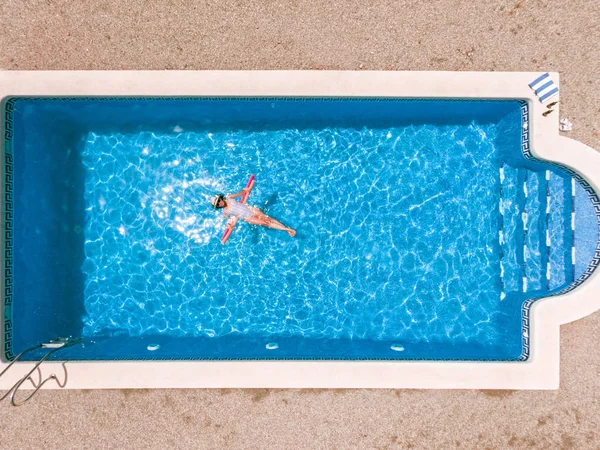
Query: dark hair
[[217, 200]]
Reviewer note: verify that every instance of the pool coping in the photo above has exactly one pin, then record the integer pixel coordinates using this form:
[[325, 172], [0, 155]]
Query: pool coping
[[539, 371]]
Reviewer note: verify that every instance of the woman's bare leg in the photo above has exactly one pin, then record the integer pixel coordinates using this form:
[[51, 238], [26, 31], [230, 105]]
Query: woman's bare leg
[[260, 218]]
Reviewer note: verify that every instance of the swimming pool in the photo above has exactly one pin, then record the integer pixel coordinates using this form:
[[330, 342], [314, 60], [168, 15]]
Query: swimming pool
[[426, 228], [411, 244]]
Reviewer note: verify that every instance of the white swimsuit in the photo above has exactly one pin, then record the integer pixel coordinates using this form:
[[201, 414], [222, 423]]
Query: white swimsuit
[[238, 209]]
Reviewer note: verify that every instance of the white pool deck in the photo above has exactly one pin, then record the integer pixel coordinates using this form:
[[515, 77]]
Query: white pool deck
[[540, 371]]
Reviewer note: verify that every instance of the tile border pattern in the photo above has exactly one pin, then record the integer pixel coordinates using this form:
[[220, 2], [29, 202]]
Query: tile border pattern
[[8, 228]]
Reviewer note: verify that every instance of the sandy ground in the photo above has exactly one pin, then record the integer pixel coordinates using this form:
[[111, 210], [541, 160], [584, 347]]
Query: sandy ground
[[334, 34]]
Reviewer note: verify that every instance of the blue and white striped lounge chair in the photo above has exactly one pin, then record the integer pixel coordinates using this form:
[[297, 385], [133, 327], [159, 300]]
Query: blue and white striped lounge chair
[[544, 87]]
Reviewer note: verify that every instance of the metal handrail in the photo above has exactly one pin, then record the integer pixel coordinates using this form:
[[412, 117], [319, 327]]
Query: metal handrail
[[53, 347], [30, 349], [52, 376]]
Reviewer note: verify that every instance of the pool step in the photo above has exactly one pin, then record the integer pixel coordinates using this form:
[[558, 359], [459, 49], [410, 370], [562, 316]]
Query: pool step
[[536, 235], [534, 230], [511, 208], [559, 230]]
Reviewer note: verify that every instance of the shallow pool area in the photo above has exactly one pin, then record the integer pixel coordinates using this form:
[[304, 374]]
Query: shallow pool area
[[423, 228]]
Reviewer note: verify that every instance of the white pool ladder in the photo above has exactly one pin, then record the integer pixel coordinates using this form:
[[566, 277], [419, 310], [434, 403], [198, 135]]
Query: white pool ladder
[[52, 347]]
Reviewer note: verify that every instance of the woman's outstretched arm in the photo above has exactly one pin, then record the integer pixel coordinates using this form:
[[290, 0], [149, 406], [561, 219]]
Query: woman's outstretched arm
[[238, 194]]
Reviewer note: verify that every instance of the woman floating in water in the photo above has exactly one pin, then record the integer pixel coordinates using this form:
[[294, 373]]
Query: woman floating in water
[[250, 214]]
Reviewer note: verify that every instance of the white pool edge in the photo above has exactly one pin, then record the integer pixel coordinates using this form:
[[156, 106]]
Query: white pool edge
[[540, 371]]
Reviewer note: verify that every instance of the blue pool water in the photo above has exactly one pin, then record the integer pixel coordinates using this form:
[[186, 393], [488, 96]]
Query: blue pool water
[[382, 251], [409, 217]]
